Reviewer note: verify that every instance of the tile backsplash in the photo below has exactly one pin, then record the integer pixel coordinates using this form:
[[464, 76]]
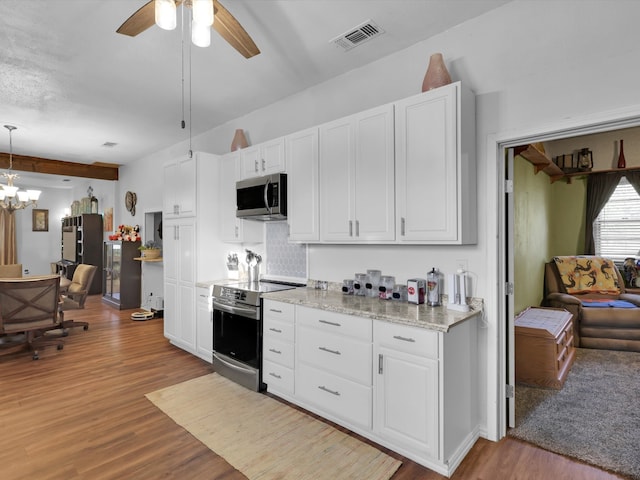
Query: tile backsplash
[[284, 259]]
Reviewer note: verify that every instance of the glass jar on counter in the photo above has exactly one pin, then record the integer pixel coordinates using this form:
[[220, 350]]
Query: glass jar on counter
[[359, 284], [387, 282]]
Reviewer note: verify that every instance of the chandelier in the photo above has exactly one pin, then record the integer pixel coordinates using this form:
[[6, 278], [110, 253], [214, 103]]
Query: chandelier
[[202, 18], [9, 192]]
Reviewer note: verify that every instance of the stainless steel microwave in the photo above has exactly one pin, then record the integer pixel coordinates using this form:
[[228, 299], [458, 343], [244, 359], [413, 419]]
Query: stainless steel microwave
[[262, 198]]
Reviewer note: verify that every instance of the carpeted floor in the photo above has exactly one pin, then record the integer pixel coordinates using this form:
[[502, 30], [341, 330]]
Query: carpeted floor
[[595, 417], [266, 439]]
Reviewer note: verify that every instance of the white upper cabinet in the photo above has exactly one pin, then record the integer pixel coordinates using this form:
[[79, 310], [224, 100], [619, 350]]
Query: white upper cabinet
[[435, 167], [302, 186], [233, 229], [357, 178], [179, 188], [263, 159]]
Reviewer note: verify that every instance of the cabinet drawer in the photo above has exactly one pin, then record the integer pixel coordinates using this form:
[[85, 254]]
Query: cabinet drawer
[[278, 351], [277, 377], [283, 312], [336, 396], [417, 341], [339, 323], [344, 356], [279, 330]]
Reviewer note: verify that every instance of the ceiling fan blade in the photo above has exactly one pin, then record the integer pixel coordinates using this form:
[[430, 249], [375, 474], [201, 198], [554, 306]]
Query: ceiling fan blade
[[229, 28], [144, 18]]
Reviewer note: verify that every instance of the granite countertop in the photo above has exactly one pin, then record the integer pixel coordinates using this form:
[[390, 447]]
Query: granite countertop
[[440, 318]]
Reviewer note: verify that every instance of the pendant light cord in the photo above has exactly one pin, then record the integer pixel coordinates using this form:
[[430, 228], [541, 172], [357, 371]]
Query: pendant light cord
[[182, 123]]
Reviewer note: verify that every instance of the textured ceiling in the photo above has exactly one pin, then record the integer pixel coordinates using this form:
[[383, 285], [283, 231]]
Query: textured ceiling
[[71, 83]]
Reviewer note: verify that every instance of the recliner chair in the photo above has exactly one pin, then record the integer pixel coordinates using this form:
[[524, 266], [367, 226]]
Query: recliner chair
[[605, 325]]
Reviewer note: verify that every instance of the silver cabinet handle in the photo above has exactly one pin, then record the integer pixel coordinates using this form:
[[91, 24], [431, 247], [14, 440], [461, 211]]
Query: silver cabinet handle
[[357, 228], [402, 222], [274, 310], [325, 349], [333, 324], [256, 165], [275, 375], [380, 363], [332, 392], [236, 231], [277, 352], [350, 228], [277, 330], [404, 339], [264, 168]]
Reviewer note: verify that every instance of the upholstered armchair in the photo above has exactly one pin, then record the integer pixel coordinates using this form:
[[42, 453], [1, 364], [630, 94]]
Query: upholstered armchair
[[591, 288], [29, 307], [76, 295]]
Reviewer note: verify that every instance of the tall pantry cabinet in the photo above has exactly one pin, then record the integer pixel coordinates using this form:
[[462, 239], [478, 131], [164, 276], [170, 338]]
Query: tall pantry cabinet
[[190, 231]]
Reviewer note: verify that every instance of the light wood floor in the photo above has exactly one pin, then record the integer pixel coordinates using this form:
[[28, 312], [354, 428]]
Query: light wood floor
[[80, 413]]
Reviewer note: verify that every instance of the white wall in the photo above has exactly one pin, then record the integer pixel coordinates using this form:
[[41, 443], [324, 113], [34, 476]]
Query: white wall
[[530, 64], [36, 250]]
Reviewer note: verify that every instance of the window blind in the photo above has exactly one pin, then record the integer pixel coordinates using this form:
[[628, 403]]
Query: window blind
[[616, 231]]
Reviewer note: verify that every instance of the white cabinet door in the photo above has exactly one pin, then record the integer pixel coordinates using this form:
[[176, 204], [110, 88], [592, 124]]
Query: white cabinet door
[[337, 181], [357, 178], [302, 186], [406, 401], [263, 159], [179, 248], [435, 167], [374, 176], [233, 229], [204, 325], [179, 188]]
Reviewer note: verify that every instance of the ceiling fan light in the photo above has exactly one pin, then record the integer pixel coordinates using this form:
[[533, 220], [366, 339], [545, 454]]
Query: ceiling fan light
[[202, 11], [34, 195], [166, 14], [200, 34]]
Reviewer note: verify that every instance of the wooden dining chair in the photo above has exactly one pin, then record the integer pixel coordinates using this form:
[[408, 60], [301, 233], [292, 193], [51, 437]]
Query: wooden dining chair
[[13, 270], [29, 307], [76, 295]]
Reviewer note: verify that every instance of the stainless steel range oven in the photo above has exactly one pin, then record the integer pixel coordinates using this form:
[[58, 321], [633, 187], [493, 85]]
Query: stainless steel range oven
[[237, 331]]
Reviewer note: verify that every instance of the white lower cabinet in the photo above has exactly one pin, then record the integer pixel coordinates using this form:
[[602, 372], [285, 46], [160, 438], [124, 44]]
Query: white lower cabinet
[[278, 352], [410, 389], [406, 387]]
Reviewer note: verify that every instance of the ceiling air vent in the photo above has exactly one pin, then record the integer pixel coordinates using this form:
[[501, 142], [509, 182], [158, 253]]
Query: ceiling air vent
[[357, 35]]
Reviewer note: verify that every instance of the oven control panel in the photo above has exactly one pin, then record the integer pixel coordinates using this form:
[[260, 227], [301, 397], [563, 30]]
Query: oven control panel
[[232, 294]]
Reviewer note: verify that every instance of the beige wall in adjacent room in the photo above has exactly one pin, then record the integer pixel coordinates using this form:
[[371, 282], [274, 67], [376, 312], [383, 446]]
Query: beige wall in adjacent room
[[548, 221]]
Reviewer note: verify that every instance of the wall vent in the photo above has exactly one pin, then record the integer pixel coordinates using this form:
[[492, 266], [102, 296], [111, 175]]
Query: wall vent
[[357, 35]]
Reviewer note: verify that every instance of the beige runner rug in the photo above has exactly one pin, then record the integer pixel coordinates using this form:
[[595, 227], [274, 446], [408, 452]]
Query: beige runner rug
[[266, 439]]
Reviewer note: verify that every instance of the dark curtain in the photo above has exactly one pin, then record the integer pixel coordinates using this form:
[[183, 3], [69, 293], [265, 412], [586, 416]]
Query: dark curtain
[[633, 176], [600, 186]]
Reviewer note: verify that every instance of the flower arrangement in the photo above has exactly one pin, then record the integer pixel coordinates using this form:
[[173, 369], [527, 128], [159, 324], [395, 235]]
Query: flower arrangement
[[127, 233]]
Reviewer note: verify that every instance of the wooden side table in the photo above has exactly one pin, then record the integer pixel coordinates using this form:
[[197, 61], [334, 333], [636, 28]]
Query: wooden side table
[[544, 346]]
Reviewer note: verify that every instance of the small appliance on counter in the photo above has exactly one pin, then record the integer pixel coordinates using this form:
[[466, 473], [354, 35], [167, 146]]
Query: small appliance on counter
[[457, 286], [416, 288]]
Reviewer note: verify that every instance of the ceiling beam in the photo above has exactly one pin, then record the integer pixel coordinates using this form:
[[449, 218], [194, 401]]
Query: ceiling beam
[[23, 163]]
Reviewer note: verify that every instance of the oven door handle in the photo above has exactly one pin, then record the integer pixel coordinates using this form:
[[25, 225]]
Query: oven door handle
[[231, 365], [252, 312]]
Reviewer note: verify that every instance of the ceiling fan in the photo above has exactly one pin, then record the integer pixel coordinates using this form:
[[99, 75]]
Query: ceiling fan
[[225, 24]]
